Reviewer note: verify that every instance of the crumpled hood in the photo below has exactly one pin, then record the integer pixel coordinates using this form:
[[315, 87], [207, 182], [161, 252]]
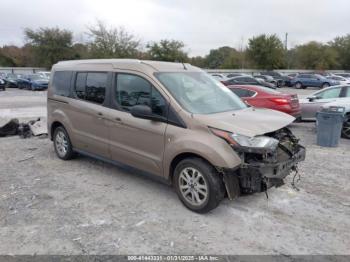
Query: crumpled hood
[[249, 122]]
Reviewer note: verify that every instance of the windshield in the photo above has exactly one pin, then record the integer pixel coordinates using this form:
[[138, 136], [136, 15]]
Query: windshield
[[199, 93]]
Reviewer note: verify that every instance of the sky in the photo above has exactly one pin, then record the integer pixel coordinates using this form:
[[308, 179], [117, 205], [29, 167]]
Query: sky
[[201, 24]]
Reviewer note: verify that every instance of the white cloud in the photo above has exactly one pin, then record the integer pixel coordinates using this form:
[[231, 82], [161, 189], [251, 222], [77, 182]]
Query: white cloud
[[200, 24]]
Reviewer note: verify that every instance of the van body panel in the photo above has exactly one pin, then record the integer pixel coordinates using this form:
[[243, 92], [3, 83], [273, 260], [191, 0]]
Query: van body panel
[[199, 142], [136, 142], [114, 124]]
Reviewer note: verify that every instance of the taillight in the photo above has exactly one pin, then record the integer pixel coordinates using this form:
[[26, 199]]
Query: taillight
[[280, 101]]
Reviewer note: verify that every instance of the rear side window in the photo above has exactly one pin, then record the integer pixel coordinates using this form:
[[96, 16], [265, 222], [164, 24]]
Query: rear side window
[[242, 92], [133, 90], [61, 83], [91, 86]]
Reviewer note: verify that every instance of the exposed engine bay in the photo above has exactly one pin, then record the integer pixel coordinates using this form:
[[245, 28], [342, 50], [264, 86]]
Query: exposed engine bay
[[263, 168]]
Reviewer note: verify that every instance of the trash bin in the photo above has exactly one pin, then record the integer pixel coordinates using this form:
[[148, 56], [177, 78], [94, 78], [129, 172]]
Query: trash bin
[[329, 122]]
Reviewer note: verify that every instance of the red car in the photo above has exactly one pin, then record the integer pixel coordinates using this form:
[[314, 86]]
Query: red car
[[259, 96]]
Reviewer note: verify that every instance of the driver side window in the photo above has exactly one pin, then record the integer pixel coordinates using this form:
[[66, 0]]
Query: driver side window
[[331, 93], [131, 90]]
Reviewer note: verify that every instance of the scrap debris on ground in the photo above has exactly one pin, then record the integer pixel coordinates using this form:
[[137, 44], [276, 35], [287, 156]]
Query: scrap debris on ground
[[27, 129]]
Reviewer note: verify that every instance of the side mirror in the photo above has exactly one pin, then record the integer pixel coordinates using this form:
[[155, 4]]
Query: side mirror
[[145, 112], [313, 98]]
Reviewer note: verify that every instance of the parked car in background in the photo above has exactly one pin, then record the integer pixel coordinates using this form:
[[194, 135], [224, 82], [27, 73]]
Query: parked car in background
[[2, 84], [218, 76], [289, 78], [340, 79], [45, 74], [279, 77], [313, 103], [259, 96], [33, 82], [346, 75], [312, 80], [345, 102], [230, 75], [247, 80], [12, 80], [266, 78]]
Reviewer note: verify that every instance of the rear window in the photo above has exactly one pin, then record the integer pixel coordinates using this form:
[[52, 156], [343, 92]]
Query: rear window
[[61, 83], [268, 90], [242, 92]]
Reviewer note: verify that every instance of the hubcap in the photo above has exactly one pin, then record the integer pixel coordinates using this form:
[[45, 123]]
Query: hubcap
[[346, 129], [193, 186], [298, 85], [61, 143]]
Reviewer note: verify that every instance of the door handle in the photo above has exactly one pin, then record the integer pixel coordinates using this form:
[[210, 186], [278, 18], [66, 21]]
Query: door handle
[[118, 119], [100, 114]]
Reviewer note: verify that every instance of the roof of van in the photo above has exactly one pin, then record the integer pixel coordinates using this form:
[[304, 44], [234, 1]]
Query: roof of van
[[124, 64]]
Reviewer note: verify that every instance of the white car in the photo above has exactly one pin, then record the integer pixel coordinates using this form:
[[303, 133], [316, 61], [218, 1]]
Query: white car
[[44, 74], [342, 80], [346, 75], [313, 103]]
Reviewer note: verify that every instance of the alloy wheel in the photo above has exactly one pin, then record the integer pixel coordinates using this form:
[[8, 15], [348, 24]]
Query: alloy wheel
[[193, 186], [61, 143]]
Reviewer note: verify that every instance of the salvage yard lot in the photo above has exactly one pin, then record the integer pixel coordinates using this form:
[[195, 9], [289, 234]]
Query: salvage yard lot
[[85, 206]]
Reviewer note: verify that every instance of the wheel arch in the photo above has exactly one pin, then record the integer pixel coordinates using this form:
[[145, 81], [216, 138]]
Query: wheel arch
[[178, 158]]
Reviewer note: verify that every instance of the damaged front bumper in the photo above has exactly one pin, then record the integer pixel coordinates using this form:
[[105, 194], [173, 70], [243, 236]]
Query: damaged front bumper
[[257, 177], [262, 170]]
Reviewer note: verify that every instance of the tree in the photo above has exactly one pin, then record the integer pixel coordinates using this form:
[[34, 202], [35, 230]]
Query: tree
[[50, 45], [342, 46], [314, 55], [223, 58], [167, 50], [267, 52], [112, 42]]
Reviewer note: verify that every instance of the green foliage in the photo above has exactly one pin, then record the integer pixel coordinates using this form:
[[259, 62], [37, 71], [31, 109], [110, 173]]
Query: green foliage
[[341, 45], [267, 52], [112, 42], [223, 58], [50, 45], [167, 50], [314, 55], [47, 46]]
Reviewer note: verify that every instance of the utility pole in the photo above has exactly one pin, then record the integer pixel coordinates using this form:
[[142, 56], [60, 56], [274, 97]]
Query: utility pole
[[286, 50], [286, 42]]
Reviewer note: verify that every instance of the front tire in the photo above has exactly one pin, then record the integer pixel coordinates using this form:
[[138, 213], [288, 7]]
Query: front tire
[[198, 185], [63, 146]]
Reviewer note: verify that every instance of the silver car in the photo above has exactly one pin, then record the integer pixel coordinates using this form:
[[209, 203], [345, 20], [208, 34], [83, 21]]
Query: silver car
[[313, 103]]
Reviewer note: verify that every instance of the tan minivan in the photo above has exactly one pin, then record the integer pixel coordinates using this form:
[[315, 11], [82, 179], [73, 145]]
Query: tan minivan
[[171, 120]]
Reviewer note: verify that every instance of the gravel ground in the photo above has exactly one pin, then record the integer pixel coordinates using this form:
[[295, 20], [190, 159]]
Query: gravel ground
[[85, 206]]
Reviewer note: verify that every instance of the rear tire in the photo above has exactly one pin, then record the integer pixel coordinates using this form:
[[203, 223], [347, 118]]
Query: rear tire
[[63, 146], [198, 185], [325, 85], [298, 85]]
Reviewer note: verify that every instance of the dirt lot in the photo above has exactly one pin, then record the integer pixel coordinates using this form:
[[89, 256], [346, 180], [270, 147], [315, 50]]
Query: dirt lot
[[85, 206]]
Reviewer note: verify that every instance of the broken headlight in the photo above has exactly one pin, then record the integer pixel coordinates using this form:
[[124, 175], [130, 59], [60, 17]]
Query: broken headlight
[[245, 142]]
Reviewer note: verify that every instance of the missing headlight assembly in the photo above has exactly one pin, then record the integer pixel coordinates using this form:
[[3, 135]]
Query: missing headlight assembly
[[266, 159]]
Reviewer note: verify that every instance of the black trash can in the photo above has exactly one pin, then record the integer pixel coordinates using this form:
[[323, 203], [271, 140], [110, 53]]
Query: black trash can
[[329, 125]]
